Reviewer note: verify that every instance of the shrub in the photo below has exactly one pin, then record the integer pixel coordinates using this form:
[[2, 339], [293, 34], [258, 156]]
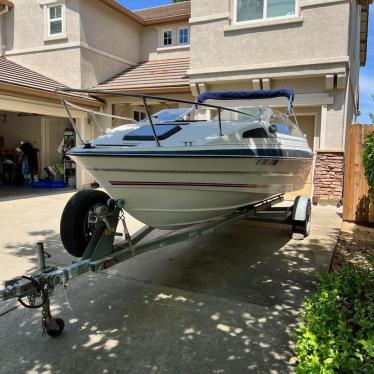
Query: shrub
[[336, 332], [369, 162]]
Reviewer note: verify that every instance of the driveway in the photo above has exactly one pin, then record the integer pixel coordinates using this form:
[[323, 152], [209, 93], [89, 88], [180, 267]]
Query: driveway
[[225, 304]]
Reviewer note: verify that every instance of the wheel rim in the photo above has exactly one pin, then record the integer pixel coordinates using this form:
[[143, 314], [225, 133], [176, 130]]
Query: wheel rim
[[89, 228]]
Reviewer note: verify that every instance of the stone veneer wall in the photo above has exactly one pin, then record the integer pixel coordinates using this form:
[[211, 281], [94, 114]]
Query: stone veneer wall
[[328, 178]]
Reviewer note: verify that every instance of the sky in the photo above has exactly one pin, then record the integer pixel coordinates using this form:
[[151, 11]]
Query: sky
[[140, 4], [367, 76], [367, 72]]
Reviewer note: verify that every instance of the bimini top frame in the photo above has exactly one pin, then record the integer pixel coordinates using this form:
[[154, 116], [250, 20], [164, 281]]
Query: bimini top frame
[[201, 102]]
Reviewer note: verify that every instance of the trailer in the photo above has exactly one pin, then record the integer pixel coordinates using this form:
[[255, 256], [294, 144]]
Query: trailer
[[35, 291]]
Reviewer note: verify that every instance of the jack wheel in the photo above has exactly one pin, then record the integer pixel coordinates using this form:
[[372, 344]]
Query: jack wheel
[[55, 333]]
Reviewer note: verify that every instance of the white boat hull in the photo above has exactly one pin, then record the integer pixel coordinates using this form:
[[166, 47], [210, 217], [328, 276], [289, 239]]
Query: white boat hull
[[171, 192]]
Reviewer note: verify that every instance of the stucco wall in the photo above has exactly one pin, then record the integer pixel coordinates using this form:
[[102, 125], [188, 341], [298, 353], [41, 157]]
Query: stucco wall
[[110, 32], [61, 65], [321, 33], [27, 46], [25, 27], [151, 42], [100, 42], [96, 68]]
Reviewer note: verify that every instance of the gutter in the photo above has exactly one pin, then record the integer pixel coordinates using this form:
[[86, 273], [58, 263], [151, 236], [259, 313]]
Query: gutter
[[2, 47], [46, 95]]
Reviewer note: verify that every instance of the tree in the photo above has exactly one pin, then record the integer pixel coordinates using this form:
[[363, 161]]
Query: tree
[[371, 115], [177, 1]]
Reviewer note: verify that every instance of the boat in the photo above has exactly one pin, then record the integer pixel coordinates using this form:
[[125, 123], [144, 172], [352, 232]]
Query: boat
[[175, 168]]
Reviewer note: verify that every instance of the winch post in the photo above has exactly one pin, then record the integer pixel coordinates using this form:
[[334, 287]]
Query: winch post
[[40, 255]]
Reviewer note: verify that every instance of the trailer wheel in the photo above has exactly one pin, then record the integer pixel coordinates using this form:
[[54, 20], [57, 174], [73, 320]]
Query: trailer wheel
[[301, 217], [74, 228]]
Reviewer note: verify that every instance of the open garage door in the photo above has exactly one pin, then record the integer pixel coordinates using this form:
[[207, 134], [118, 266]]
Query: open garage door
[[43, 134], [307, 125]]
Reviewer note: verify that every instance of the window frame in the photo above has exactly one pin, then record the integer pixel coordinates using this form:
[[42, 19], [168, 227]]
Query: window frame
[[188, 35], [174, 29], [264, 14], [47, 5], [163, 31]]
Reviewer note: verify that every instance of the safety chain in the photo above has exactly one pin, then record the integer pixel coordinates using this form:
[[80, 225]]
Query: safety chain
[[41, 291], [126, 231], [45, 312]]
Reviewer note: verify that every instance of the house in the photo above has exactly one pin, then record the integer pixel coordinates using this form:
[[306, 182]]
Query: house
[[315, 47]]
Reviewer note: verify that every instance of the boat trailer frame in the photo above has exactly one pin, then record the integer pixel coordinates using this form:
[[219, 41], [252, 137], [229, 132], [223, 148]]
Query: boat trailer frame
[[102, 253]]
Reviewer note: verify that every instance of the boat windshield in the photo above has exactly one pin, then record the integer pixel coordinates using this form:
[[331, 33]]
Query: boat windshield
[[169, 115], [281, 123], [247, 113]]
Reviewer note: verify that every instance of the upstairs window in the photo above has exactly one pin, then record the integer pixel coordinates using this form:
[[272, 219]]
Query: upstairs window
[[55, 21], [250, 10], [168, 38], [174, 37], [184, 36]]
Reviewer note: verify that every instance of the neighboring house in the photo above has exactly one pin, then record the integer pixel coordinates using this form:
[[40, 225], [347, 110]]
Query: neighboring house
[[315, 47]]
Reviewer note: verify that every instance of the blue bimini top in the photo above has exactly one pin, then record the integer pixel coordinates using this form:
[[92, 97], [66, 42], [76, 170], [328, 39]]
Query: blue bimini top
[[248, 95]]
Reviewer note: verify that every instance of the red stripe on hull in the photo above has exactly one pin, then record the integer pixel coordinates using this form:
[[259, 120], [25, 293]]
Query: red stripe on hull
[[187, 184]]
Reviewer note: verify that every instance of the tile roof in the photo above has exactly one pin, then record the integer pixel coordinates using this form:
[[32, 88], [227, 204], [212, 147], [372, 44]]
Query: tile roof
[[13, 73], [17, 78], [163, 13], [151, 76]]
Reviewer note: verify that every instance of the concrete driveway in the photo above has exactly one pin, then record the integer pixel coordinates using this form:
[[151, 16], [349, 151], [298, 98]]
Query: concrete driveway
[[224, 304]]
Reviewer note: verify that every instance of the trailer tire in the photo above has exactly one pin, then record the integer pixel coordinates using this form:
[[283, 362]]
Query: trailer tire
[[73, 226]]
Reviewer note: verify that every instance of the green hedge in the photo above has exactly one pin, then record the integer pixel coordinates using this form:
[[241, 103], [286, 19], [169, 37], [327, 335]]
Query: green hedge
[[336, 333]]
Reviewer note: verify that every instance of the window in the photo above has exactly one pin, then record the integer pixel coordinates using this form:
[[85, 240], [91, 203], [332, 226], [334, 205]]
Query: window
[[174, 37], [139, 116], [167, 37], [184, 37], [55, 21], [258, 133], [249, 10]]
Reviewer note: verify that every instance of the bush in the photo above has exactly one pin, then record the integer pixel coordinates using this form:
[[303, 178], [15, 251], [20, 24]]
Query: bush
[[336, 332], [369, 162]]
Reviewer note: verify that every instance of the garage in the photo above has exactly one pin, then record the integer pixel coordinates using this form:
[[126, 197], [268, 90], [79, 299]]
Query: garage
[[35, 133]]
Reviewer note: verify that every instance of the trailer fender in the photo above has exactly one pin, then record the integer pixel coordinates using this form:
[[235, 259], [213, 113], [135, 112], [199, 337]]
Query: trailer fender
[[300, 210]]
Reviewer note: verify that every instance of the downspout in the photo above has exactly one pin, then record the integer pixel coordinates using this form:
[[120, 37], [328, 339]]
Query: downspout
[[2, 46]]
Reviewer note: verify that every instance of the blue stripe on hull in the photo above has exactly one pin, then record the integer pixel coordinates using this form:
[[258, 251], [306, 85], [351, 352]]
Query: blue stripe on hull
[[275, 153]]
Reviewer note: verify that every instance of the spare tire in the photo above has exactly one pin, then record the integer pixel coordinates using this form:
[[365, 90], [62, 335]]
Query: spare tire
[[74, 228]]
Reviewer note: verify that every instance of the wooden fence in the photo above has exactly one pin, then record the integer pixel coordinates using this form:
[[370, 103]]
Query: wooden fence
[[356, 203]]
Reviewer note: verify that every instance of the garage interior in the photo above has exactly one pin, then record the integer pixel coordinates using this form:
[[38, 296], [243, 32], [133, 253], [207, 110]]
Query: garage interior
[[46, 166]]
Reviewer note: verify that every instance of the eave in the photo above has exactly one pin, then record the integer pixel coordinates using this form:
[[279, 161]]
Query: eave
[[6, 3], [364, 29], [48, 96], [119, 8]]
